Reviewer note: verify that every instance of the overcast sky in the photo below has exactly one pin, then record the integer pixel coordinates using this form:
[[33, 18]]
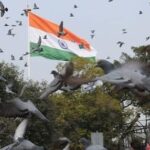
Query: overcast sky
[[106, 18]]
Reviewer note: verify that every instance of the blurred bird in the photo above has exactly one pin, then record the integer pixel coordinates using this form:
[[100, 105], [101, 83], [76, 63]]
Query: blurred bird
[[1, 51], [132, 75], [45, 37], [93, 31], [26, 65], [71, 15], [3, 9], [140, 12], [105, 65], [38, 47], [6, 25], [21, 58], [61, 31], [12, 57], [10, 32], [147, 38], [26, 12], [26, 53], [17, 108], [35, 6], [92, 36], [7, 17], [20, 23], [75, 6], [63, 143], [120, 43], [19, 142], [110, 0], [13, 25]]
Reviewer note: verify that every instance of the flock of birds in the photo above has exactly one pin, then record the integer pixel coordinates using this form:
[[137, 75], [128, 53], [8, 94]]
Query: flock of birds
[[133, 75]]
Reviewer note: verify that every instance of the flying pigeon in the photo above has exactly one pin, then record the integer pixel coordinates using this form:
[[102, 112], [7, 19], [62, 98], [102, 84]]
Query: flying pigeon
[[140, 12], [19, 142], [63, 143], [26, 65], [92, 36], [3, 9], [1, 51], [105, 65], [17, 108], [38, 46], [21, 58], [35, 6], [12, 57], [93, 31], [133, 75], [6, 25], [26, 11], [61, 31], [10, 32], [45, 37], [75, 6], [71, 15], [120, 43], [20, 23], [147, 38], [64, 81]]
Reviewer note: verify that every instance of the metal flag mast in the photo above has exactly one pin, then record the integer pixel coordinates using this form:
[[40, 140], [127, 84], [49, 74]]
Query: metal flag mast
[[28, 46]]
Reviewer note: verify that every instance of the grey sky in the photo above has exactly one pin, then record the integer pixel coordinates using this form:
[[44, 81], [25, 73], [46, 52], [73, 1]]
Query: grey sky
[[108, 20]]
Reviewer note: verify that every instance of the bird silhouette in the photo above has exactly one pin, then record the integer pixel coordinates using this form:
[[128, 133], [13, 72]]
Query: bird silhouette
[[120, 43], [3, 9], [10, 33], [12, 57], [71, 15], [38, 47], [147, 38], [61, 31], [1, 51], [75, 6], [20, 143], [35, 6], [140, 12]]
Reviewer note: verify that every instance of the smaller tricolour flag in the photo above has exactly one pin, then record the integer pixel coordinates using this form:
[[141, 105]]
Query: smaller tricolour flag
[[52, 41]]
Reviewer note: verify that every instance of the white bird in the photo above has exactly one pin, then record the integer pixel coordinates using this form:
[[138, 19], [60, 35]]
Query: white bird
[[19, 142]]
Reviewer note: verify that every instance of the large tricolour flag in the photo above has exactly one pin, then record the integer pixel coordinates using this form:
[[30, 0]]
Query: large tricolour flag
[[56, 47]]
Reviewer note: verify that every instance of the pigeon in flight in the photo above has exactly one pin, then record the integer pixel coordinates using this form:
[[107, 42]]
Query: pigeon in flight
[[17, 108], [75, 6], [140, 12], [38, 47], [92, 36], [120, 43], [61, 31], [110, 0], [64, 81], [26, 64], [45, 37], [131, 75], [35, 6], [147, 38], [92, 31], [71, 15], [19, 142], [26, 12], [10, 32], [1, 51], [12, 57], [21, 58], [3, 9], [6, 25]]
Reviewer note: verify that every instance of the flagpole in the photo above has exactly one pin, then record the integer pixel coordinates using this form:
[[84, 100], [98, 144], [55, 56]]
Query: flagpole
[[28, 47]]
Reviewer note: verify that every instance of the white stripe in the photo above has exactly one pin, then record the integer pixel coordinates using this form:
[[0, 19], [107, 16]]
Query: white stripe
[[52, 41]]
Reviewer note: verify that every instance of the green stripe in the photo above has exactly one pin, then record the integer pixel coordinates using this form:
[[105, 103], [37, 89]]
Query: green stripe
[[53, 53]]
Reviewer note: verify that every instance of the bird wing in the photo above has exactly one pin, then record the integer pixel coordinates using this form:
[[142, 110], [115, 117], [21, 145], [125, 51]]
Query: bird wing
[[68, 69], [10, 110], [2, 9], [53, 86], [20, 131], [9, 32], [30, 107], [39, 42], [61, 28]]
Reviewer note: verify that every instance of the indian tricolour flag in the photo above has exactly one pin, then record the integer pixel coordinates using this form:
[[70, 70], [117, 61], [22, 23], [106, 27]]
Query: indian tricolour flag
[[53, 46]]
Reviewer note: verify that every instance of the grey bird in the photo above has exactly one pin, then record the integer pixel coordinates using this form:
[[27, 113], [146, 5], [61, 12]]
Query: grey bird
[[10, 32], [35, 6], [71, 15], [92, 36], [19, 142], [132, 75], [1, 51], [105, 65], [3, 9], [61, 31], [64, 81], [63, 143], [88, 146], [6, 25], [12, 57], [38, 47], [75, 6], [17, 108], [45, 37], [26, 12], [21, 58], [147, 38], [20, 23], [140, 12], [120, 43], [26, 64]]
